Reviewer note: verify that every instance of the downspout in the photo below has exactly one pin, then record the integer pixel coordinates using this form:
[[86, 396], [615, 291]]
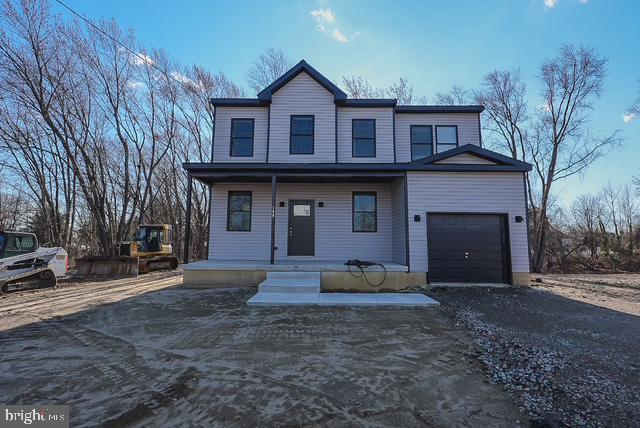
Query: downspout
[[213, 137]]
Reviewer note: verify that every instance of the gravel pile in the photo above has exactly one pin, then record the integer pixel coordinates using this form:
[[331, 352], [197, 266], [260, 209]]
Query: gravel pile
[[556, 379], [523, 370]]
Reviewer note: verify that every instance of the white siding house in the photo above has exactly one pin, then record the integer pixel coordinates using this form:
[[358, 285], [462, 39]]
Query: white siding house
[[456, 212]]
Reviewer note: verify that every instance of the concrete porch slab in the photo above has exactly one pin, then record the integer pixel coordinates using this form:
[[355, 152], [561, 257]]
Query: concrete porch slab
[[283, 299], [347, 299]]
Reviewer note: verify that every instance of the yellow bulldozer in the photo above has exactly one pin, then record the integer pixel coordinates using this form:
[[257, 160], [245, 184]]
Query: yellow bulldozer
[[150, 251]]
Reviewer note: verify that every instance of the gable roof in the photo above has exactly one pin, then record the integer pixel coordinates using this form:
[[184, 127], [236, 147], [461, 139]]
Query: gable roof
[[431, 162], [267, 92]]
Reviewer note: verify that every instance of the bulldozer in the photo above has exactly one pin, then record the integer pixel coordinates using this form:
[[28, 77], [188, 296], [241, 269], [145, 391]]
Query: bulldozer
[[26, 265], [151, 250]]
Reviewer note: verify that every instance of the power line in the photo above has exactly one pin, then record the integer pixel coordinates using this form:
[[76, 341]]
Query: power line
[[122, 45]]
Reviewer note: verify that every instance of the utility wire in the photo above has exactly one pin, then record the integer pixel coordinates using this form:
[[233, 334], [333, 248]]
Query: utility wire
[[142, 58]]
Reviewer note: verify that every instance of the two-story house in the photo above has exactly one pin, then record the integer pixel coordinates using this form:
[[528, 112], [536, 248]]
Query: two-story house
[[304, 178]]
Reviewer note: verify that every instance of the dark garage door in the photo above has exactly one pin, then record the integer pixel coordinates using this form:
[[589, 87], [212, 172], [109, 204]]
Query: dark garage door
[[467, 248]]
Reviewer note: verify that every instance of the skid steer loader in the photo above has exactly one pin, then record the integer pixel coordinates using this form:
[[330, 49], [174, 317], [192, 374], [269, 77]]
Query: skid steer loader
[[150, 251], [26, 265]]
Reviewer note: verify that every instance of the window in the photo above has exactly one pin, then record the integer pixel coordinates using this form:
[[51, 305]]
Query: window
[[239, 212], [363, 135], [241, 137], [301, 135], [421, 141], [446, 138], [365, 212]]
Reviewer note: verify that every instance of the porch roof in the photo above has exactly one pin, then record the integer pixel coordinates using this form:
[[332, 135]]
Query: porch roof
[[254, 171]]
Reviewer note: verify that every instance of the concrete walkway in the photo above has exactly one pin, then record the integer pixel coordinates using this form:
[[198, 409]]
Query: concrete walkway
[[303, 288]]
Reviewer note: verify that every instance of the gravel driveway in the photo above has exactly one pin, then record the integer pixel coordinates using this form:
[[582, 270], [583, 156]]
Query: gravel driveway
[[171, 356], [567, 361]]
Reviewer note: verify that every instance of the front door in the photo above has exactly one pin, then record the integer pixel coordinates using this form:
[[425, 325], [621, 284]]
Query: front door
[[302, 228]]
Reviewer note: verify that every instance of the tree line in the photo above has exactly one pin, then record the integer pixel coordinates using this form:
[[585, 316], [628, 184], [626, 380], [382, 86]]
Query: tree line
[[94, 128]]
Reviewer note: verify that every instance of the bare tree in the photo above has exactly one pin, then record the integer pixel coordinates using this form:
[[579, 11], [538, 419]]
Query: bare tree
[[503, 94], [270, 64], [358, 87], [401, 91], [456, 96]]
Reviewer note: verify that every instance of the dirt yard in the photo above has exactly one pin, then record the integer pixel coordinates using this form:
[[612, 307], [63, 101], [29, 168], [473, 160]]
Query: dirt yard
[[568, 350], [151, 353]]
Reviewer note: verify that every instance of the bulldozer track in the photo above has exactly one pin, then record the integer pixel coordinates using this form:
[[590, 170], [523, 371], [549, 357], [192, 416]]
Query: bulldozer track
[[17, 311], [63, 294]]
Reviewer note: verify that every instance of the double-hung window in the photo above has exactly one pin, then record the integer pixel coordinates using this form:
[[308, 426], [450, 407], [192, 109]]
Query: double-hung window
[[363, 135], [421, 141], [365, 212], [241, 137], [446, 138], [301, 135], [239, 212]]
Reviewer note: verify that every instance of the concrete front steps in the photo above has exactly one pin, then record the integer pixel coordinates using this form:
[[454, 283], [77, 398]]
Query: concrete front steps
[[303, 288]]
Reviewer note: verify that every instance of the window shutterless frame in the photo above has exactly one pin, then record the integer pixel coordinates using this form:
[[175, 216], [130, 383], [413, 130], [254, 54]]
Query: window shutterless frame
[[233, 138], [431, 144], [354, 137], [450, 145], [354, 195], [296, 134], [230, 195]]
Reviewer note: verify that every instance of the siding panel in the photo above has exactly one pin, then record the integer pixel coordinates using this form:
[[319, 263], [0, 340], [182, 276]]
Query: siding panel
[[465, 159], [222, 139], [466, 192], [468, 130], [384, 133], [303, 95], [334, 237]]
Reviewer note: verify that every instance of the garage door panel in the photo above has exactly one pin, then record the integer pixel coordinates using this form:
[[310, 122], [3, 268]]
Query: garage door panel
[[467, 248]]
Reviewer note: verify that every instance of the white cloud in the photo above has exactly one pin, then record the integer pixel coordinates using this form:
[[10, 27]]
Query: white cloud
[[325, 23], [550, 4], [324, 15], [628, 117], [181, 78], [141, 59], [336, 34]]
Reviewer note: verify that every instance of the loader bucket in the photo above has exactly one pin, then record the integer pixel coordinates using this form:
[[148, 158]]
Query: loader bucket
[[106, 267]]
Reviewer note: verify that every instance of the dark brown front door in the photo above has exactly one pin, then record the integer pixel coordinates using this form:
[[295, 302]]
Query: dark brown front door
[[302, 228]]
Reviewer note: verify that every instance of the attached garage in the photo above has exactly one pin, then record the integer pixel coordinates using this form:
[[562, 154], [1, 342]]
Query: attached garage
[[468, 248]]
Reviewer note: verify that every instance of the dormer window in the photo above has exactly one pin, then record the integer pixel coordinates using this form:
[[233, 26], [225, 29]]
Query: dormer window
[[363, 135], [241, 137], [301, 135]]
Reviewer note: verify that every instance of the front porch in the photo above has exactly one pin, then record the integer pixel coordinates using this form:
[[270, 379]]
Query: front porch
[[334, 275]]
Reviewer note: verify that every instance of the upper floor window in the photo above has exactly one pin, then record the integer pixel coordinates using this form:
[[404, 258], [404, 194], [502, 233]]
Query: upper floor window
[[446, 138], [421, 141], [363, 134], [241, 137], [239, 212], [301, 135], [365, 212]]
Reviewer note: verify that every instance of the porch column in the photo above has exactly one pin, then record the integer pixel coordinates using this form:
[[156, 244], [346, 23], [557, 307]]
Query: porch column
[[187, 229], [273, 220], [407, 251]]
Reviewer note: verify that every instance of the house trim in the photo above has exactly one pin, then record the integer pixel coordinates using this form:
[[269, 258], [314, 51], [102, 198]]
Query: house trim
[[302, 66]]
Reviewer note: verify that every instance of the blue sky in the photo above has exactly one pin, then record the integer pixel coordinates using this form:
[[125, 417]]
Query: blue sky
[[434, 44]]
